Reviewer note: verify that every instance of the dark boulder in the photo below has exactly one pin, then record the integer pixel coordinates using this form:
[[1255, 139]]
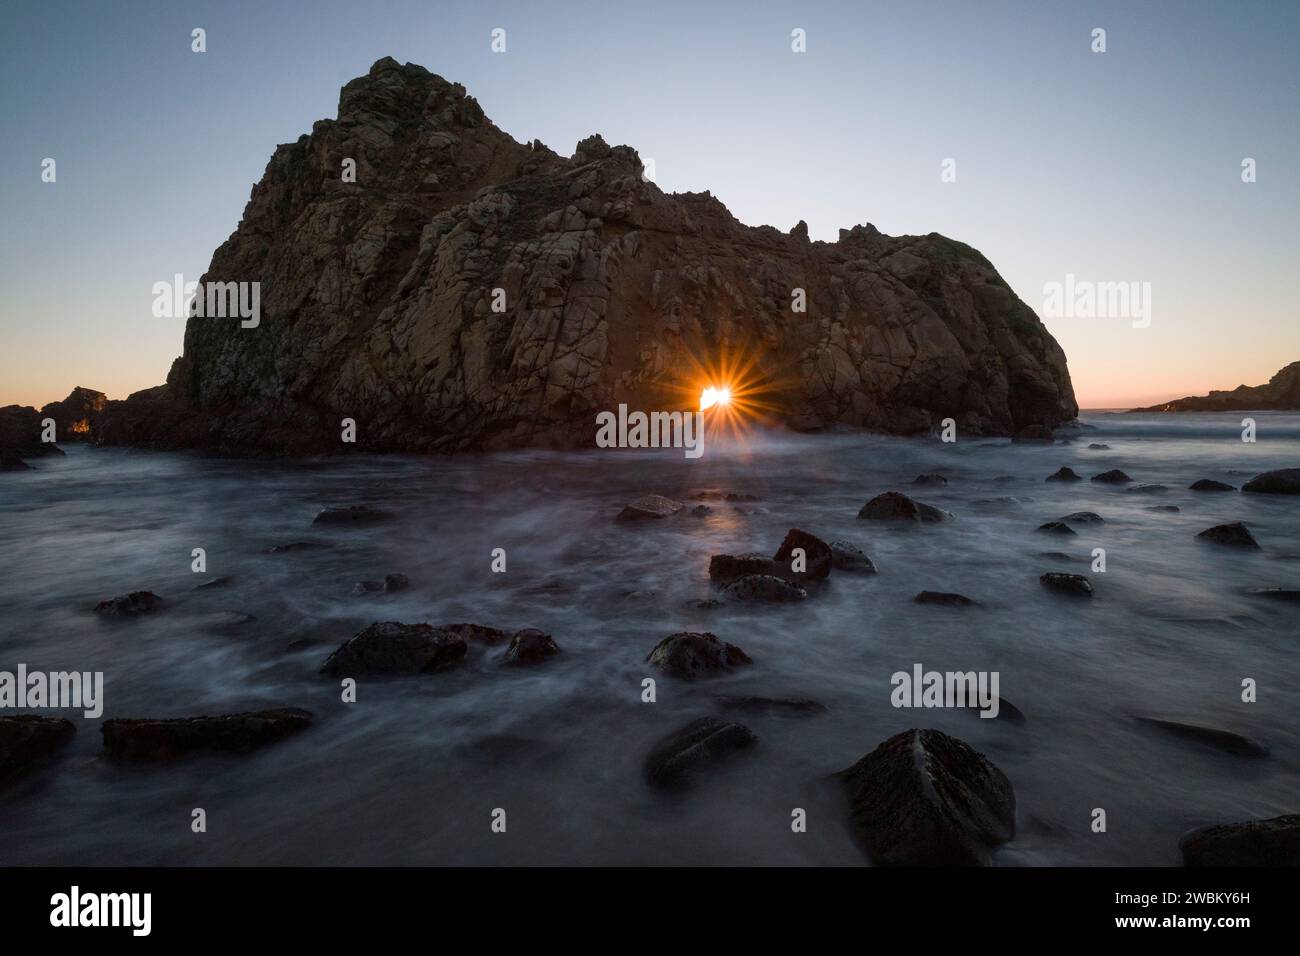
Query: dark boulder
[[930, 478], [1085, 517], [1207, 484], [1063, 474], [1274, 842], [531, 646], [1098, 446], [169, 738], [1234, 535], [1112, 477], [1076, 585], [130, 605], [944, 599], [923, 798], [818, 556], [26, 739], [728, 567], [1165, 509], [391, 584], [893, 506], [478, 633], [1289, 595], [649, 506], [393, 648], [850, 558], [692, 747], [1284, 481], [688, 654], [764, 588], [701, 511], [1147, 489], [352, 515]]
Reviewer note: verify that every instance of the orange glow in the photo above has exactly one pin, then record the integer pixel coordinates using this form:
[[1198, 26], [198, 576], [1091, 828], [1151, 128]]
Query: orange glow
[[715, 396], [732, 391]]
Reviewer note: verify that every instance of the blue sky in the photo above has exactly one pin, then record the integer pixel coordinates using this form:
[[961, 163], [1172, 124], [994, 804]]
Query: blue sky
[[1115, 166]]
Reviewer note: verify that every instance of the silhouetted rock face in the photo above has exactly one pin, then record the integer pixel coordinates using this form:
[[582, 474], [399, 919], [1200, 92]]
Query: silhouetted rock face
[[77, 416], [1282, 393], [377, 301]]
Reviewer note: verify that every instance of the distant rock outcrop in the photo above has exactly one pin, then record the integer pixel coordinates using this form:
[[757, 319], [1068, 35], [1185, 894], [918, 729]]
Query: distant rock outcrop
[[1282, 393], [469, 291]]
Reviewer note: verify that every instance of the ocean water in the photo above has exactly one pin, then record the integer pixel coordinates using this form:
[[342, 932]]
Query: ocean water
[[412, 772]]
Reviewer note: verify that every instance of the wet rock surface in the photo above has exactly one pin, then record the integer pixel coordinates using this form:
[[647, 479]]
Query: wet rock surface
[[851, 559], [944, 599], [1112, 477], [692, 654], [1283, 481], [1063, 474], [1208, 484], [923, 798], [352, 515], [1228, 741], [648, 507], [392, 648], [164, 739], [693, 747], [26, 740], [531, 646], [893, 506], [1233, 535], [763, 589], [818, 556], [1274, 842], [1075, 585], [130, 605]]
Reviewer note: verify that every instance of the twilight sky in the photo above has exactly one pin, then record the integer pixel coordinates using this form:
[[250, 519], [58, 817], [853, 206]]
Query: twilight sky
[[1113, 167]]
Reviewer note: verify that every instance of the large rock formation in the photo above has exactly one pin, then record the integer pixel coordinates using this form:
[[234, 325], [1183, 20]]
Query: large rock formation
[[377, 301], [1282, 393]]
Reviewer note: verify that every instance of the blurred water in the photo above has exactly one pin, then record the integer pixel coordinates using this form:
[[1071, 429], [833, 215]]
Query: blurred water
[[411, 773]]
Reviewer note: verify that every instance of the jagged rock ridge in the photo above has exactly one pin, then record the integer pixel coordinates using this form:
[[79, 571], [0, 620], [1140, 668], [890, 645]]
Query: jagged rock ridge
[[376, 301], [1282, 393]]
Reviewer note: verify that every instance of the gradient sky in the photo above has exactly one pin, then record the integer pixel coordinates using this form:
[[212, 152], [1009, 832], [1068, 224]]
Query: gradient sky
[[1122, 166]]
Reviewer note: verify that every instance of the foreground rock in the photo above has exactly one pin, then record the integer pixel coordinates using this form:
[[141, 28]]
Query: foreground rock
[[693, 747], [649, 506], [170, 738], [1226, 740], [944, 599], [610, 285], [1056, 527], [850, 558], [531, 646], [818, 556], [893, 506], [20, 437], [352, 515], [1274, 842], [1284, 481], [478, 633], [391, 648], [1063, 474], [130, 605], [763, 588], [923, 798], [689, 655], [1208, 484], [1234, 535], [1084, 517], [25, 740], [1075, 585], [724, 568]]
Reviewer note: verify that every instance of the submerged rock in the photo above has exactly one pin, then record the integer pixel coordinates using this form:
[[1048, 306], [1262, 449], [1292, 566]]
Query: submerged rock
[[1098, 446], [222, 582], [26, 739], [817, 554], [1274, 842], [393, 648], [1056, 527], [850, 558], [688, 654], [930, 478], [1147, 489], [130, 605], [1234, 534], [352, 515], [1207, 484], [797, 706], [944, 599], [728, 567], [923, 798], [701, 511], [692, 747], [391, 584], [1226, 740], [1112, 477], [1076, 585], [531, 646], [649, 506], [293, 546], [1290, 595], [893, 506], [764, 588], [169, 738], [1006, 711], [1085, 517], [1283, 481], [1063, 474], [1167, 509]]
